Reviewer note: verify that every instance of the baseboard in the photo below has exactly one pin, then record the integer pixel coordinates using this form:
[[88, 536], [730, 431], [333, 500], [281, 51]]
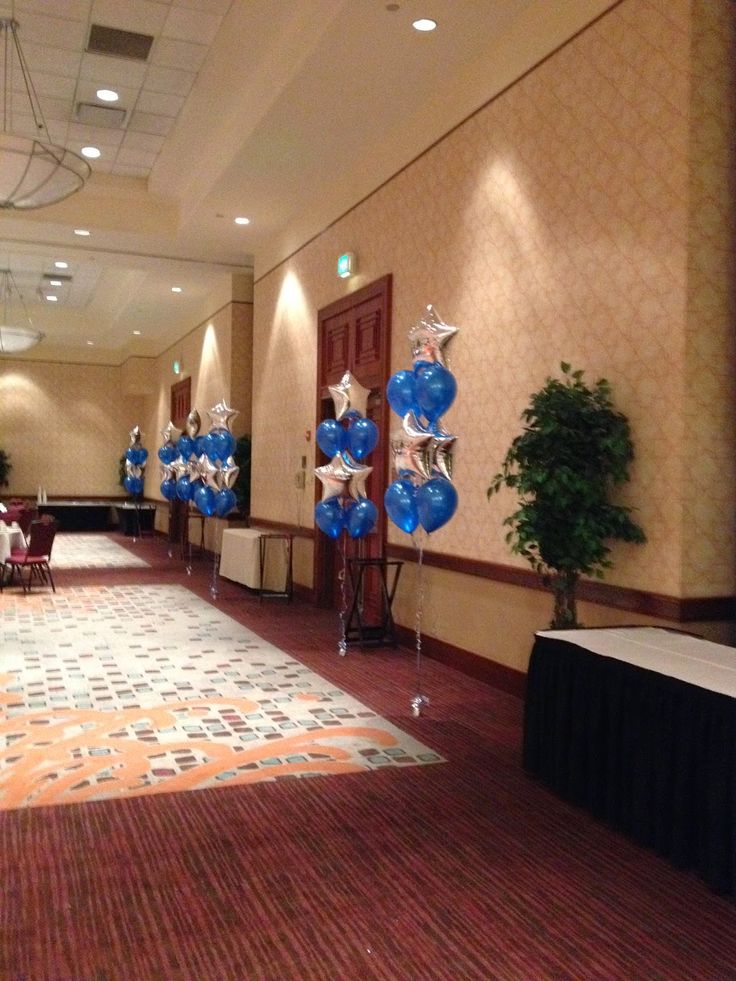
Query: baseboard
[[491, 672]]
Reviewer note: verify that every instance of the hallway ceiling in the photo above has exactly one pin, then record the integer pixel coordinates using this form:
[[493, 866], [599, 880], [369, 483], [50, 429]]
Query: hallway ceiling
[[282, 111]]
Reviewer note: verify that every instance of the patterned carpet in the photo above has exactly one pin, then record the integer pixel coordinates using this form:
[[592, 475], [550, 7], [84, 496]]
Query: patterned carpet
[[89, 551], [136, 690]]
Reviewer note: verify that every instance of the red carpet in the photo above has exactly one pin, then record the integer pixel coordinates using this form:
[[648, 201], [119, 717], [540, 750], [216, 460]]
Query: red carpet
[[467, 870]]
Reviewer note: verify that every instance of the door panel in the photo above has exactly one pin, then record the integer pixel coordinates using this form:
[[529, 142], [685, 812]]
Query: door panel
[[355, 335]]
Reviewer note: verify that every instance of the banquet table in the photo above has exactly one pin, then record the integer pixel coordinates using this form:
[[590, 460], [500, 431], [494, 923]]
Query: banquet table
[[638, 726], [257, 558], [10, 537]]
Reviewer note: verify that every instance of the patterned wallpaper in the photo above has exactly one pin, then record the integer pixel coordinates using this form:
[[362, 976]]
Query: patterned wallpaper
[[565, 221]]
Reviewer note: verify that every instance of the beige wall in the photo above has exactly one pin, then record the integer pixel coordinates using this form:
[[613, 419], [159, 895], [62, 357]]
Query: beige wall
[[65, 427], [565, 221]]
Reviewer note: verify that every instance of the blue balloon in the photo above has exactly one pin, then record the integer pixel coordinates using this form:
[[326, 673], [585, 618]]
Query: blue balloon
[[218, 444], [186, 447], [400, 501], [131, 455], [401, 392], [167, 453], [330, 517], [331, 437], [168, 489], [204, 499], [184, 488], [436, 503], [142, 456], [436, 389], [225, 501], [362, 438], [133, 485], [360, 517], [199, 447]]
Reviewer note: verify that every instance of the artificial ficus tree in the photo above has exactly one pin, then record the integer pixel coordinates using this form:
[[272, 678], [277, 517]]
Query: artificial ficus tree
[[574, 451]]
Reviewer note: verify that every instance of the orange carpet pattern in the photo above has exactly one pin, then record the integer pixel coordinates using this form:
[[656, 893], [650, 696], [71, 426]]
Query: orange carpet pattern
[[131, 690]]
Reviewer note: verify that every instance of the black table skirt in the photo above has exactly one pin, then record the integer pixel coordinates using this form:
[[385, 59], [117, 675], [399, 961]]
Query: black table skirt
[[651, 755]]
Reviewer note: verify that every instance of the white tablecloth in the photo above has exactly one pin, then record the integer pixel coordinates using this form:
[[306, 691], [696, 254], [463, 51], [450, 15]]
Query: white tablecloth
[[240, 559], [10, 537], [690, 659]]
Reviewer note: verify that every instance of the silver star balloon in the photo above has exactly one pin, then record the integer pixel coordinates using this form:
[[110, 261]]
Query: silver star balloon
[[170, 433], [208, 472], [411, 447], [192, 469], [221, 414], [334, 477], [229, 473], [359, 474], [442, 447], [180, 468], [429, 336], [168, 471], [135, 435], [133, 470], [349, 396], [193, 423]]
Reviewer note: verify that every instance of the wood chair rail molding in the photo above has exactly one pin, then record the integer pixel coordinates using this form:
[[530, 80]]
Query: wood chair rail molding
[[678, 609], [298, 531]]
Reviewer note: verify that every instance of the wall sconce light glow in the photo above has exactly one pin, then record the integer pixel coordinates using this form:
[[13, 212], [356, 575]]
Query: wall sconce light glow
[[92, 152], [177, 367], [176, 289], [60, 264], [242, 221], [107, 95], [54, 282], [81, 231], [90, 343], [346, 265], [424, 24], [50, 298], [137, 333]]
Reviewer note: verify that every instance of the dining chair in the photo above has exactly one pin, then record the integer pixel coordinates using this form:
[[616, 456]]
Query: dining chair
[[35, 557]]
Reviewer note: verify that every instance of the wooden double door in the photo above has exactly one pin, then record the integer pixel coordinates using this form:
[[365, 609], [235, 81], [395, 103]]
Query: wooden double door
[[355, 335]]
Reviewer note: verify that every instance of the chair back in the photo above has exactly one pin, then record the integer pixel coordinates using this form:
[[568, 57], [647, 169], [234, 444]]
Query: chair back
[[26, 516], [10, 516], [41, 537]]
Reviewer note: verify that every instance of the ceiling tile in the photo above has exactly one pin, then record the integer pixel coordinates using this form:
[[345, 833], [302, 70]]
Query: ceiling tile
[[220, 7], [129, 170], [53, 85], [95, 135], [87, 92], [159, 102], [168, 80], [136, 158], [148, 142], [146, 122], [197, 26], [54, 31], [110, 72], [68, 9], [57, 61], [178, 54], [139, 16]]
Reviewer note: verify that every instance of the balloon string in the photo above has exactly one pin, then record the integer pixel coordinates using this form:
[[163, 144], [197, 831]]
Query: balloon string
[[215, 570], [420, 699], [342, 646]]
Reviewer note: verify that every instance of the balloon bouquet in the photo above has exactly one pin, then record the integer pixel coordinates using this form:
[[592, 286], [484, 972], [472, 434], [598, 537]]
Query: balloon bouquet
[[135, 463], [347, 439], [200, 468], [422, 496]]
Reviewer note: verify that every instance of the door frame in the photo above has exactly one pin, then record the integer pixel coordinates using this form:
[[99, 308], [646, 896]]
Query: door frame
[[325, 548]]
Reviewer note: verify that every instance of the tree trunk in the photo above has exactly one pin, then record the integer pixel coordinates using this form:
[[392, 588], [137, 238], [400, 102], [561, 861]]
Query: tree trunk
[[565, 615]]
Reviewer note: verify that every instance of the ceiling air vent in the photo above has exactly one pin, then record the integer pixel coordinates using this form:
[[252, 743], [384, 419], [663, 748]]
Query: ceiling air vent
[[94, 115], [121, 44]]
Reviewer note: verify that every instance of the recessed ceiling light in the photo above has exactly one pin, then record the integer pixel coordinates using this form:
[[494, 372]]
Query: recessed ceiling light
[[81, 231], [242, 221], [61, 265], [137, 333], [54, 282], [107, 95], [51, 298], [91, 151], [176, 289], [424, 24], [90, 343]]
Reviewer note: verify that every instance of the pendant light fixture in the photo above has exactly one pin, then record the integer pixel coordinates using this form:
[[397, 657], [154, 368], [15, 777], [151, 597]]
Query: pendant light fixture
[[14, 335], [33, 171]]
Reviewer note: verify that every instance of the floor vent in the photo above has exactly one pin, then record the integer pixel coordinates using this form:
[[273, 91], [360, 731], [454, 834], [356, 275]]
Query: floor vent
[[121, 44]]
